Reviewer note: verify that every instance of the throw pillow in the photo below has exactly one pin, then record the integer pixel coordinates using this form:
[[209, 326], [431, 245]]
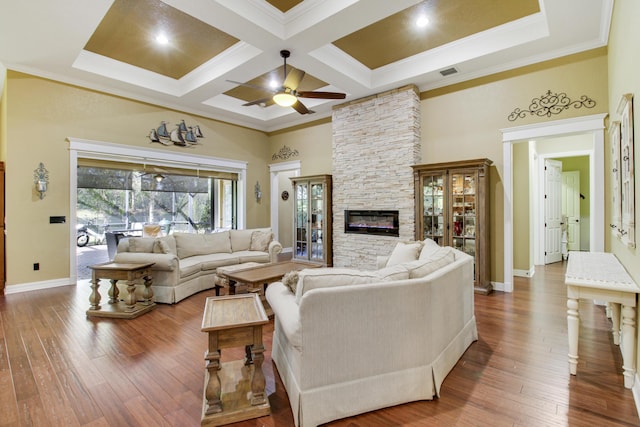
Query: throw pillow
[[141, 244], [165, 245], [260, 241], [290, 280], [423, 267], [429, 246], [404, 252]]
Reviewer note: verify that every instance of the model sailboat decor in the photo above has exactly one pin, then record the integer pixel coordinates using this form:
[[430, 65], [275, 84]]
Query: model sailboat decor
[[182, 135]]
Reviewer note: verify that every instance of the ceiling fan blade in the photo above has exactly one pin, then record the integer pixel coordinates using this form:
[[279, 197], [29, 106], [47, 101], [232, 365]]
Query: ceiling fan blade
[[300, 108], [259, 101], [268, 89], [322, 95], [293, 79]]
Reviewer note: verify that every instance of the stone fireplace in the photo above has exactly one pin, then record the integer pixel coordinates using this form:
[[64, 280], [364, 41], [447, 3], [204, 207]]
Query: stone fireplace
[[376, 140]]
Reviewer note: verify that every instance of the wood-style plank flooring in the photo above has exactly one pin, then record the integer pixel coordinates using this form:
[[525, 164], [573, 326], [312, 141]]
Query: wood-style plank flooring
[[60, 368]]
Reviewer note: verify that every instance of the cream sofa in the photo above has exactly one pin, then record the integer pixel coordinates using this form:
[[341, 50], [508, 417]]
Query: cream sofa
[[347, 342], [186, 263]]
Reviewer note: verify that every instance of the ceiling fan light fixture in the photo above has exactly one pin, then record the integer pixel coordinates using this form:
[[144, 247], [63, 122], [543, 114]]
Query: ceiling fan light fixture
[[284, 99]]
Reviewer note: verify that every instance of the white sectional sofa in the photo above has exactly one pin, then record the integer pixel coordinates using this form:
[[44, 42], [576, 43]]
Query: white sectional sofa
[[186, 263], [348, 342]]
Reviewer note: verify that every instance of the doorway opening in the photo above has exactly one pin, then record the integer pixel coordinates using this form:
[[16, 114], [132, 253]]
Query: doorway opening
[[592, 127]]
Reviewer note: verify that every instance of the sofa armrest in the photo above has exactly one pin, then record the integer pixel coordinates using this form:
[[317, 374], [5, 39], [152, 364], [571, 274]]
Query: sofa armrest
[[286, 311], [163, 262], [275, 248]]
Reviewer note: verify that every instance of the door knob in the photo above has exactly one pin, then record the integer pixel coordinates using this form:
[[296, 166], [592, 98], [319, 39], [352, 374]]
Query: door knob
[[577, 220]]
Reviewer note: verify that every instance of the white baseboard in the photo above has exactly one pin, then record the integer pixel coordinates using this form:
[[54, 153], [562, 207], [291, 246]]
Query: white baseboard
[[287, 250], [524, 273], [498, 286], [36, 286]]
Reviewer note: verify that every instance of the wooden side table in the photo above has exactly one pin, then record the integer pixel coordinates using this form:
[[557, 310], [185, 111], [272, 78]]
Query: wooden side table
[[233, 321], [130, 307]]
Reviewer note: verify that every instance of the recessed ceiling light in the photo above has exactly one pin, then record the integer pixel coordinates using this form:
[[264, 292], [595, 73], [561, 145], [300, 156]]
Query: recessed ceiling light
[[274, 84], [162, 39], [422, 21]]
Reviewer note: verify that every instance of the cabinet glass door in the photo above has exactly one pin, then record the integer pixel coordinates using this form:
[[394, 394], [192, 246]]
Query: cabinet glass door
[[301, 220], [433, 203], [463, 187], [317, 219]]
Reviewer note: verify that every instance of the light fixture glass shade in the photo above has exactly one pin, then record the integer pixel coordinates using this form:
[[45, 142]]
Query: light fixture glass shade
[[284, 99], [158, 177]]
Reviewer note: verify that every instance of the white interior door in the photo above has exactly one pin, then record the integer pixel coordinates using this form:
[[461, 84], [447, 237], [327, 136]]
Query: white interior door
[[571, 207], [553, 211]]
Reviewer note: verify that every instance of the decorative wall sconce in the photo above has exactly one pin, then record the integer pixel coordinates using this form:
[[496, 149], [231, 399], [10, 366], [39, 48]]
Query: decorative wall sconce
[[258, 192], [41, 179], [158, 177]]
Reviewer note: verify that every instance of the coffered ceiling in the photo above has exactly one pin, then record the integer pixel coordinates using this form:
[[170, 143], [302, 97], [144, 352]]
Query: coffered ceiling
[[356, 47]]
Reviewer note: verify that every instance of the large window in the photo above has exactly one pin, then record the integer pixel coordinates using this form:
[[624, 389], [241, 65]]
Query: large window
[[119, 197]]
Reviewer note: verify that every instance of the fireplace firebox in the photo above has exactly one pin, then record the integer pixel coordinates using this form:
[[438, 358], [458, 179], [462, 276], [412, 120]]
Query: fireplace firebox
[[384, 223]]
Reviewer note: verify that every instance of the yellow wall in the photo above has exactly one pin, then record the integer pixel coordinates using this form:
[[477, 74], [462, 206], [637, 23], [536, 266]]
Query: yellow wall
[[464, 121], [313, 145], [522, 250], [624, 77], [41, 114]]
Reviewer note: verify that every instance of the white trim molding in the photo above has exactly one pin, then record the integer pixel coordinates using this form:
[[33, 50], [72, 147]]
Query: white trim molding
[[594, 124], [274, 170], [36, 286]]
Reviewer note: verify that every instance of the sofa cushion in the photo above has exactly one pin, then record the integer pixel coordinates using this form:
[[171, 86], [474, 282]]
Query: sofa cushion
[[212, 261], [327, 277], [191, 244], [189, 267], [252, 256], [404, 252], [260, 240], [141, 244], [423, 267], [429, 246]]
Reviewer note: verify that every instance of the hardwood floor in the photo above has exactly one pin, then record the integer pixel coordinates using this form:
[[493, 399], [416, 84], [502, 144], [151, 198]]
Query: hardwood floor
[[60, 368]]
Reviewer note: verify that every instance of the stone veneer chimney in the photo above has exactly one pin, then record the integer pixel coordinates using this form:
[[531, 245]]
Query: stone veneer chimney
[[376, 140]]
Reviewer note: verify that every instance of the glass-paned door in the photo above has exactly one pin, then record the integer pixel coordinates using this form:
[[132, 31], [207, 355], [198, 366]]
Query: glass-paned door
[[463, 208], [301, 220], [317, 217], [433, 215]]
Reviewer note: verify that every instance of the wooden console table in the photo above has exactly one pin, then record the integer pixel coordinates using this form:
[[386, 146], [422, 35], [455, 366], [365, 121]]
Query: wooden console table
[[234, 391], [130, 307], [600, 276]]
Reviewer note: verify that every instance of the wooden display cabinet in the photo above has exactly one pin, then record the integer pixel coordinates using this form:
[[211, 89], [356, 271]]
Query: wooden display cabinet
[[312, 219], [452, 208]]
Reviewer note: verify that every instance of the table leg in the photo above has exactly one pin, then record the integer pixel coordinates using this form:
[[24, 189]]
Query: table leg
[[573, 327], [147, 293], [113, 292], [615, 320], [258, 396], [213, 388], [130, 299], [628, 345], [94, 297]]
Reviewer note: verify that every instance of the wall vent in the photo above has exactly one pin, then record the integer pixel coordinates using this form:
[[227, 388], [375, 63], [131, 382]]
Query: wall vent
[[448, 71]]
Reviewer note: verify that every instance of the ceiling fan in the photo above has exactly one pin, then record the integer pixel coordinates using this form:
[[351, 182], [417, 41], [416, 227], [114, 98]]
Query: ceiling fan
[[288, 95]]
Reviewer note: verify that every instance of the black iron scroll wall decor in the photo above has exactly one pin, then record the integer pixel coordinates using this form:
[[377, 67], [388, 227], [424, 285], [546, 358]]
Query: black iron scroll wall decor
[[182, 135], [551, 103], [285, 153]]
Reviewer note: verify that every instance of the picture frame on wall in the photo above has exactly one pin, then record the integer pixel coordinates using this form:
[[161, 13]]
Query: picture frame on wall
[[627, 171], [614, 140]]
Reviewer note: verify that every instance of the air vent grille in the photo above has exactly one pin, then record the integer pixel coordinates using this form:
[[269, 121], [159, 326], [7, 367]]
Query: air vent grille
[[448, 71]]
